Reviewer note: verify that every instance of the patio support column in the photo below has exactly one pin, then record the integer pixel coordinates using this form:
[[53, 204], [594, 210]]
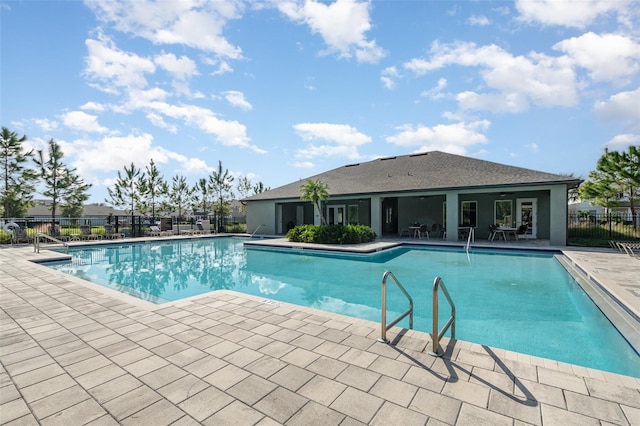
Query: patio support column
[[376, 215], [558, 220], [452, 216]]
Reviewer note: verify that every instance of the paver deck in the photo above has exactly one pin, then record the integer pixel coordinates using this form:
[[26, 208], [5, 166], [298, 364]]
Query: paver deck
[[76, 353]]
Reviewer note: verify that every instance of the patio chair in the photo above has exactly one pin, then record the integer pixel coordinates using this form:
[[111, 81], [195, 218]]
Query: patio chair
[[20, 236], [200, 228], [494, 231], [54, 232], [423, 231], [436, 230], [403, 231], [154, 231], [110, 233], [522, 229], [631, 248], [85, 233]]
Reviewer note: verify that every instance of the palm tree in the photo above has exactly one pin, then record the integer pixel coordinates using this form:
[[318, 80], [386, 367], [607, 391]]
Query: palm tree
[[315, 192]]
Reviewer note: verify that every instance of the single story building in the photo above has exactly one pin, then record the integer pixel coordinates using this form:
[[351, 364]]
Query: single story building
[[392, 194]]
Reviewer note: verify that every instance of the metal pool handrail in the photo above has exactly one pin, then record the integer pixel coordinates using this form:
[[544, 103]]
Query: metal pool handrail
[[451, 322], [259, 226], [36, 241], [383, 321], [469, 238]]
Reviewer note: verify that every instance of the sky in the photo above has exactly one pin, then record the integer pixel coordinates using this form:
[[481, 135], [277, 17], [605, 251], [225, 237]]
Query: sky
[[282, 90]]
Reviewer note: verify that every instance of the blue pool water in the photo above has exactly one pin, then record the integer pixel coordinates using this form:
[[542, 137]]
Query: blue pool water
[[524, 302]]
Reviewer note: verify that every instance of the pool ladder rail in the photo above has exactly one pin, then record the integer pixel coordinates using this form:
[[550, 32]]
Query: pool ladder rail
[[436, 335], [39, 236]]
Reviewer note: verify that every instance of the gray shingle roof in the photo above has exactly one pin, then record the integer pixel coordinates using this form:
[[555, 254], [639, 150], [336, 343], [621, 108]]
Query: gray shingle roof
[[433, 170]]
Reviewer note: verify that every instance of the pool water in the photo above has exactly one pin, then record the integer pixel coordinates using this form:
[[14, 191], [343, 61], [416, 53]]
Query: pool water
[[520, 301]]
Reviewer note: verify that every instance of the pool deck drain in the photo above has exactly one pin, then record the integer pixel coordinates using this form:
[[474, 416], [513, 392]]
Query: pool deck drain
[[76, 353]]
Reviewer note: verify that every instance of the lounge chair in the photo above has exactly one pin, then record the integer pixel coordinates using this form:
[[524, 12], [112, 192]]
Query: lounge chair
[[154, 231], [631, 248], [85, 233], [110, 234], [20, 236], [54, 232]]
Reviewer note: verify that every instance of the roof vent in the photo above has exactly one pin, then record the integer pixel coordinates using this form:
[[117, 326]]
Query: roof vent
[[388, 158], [419, 155], [352, 165]]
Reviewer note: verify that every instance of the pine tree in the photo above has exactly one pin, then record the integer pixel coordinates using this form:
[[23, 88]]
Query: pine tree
[[18, 181], [62, 185], [221, 183]]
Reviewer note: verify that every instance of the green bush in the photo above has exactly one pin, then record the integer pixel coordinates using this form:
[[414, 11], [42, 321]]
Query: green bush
[[331, 234], [236, 227]]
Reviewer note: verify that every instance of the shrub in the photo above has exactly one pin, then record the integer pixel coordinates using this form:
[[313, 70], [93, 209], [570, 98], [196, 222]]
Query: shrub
[[331, 234]]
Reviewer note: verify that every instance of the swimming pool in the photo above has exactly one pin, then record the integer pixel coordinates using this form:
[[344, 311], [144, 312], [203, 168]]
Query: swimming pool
[[519, 301]]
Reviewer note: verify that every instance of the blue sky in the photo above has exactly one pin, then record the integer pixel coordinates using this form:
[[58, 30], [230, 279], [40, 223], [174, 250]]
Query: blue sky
[[283, 90]]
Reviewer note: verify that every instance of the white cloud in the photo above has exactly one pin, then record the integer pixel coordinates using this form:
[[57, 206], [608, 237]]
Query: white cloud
[[435, 92], [607, 57], [532, 146], [303, 164], [229, 133], [518, 80], [222, 67], [93, 106], [389, 76], [496, 102], [342, 25], [80, 120], [622, 107], [111, 68], [112, 153], [158, 121], [621, 142], [45, 124], [181, 68], [453, 138], [237, 99], [196, 24], [478, 20], [343, 139], [569, 13]]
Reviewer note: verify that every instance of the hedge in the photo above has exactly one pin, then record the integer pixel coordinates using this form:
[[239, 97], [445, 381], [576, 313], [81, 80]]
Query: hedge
[[331, 234]]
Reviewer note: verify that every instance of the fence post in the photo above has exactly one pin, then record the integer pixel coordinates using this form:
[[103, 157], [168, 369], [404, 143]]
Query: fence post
[[610, 230]]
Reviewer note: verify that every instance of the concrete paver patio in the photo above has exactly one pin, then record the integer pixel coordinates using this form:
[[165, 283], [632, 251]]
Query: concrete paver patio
[[75, 353]]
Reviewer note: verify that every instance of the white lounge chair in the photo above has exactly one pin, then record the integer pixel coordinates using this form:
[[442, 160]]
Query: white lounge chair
[[154, 231]]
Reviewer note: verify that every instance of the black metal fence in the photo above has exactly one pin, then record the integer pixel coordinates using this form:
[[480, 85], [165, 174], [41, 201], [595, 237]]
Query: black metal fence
[[610, 226], [127, 225]]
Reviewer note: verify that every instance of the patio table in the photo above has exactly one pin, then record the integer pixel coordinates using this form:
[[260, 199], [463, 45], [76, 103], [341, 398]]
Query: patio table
[[509, 230]]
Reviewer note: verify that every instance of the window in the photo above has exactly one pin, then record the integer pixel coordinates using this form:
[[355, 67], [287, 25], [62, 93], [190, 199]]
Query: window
[[503, 213], [352, 214], [469, 213]]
